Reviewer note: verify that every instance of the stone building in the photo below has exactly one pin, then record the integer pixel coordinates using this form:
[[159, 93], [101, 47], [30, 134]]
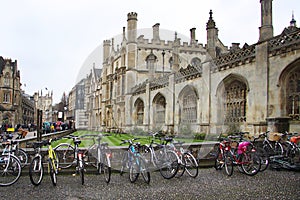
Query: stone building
[[174, 86], [28, 109], [10, 94], [44, 104]]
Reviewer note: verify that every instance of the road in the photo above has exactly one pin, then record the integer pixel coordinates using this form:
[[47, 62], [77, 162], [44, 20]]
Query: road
[[210, 184]]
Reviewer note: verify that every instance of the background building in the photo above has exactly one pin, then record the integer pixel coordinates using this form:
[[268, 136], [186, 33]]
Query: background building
[[10, 94], [190, 87]]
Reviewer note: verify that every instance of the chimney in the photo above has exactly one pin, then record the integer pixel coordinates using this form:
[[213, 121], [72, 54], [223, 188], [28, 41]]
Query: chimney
[[266, 29], [193, 35], [155, 28]]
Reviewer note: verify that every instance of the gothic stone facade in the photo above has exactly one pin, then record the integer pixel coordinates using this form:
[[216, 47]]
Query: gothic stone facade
[[177, 86], [10, 95]]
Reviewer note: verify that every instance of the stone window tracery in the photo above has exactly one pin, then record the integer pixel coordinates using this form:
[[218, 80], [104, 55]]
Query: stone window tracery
[[139, 112], [189, 107], [235, 102], [150, 61], [293, 95], [160, 110]]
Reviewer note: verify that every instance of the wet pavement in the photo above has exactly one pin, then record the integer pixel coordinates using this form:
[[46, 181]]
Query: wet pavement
[[210, 184]]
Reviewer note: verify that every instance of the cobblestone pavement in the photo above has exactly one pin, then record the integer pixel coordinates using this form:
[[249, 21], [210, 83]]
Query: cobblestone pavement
[[210, 184]]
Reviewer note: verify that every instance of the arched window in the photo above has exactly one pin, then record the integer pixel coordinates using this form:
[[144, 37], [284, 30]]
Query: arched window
[[235, 103], [139, 104], [293, 94], [160, 109], [188, 99], [171, 62], [6, 80], [150, 61]]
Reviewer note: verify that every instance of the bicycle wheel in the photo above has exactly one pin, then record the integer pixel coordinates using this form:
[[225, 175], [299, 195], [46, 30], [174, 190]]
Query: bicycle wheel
[[228, 164], [169, 164], [181, 167], [133, 171], [191, 164], [36, 170], [125, 163], [278, 148], [10, 170], [23, 157], [264, 158], [251, 163], [106, 168], [51, 168], [81, 172], [219, 161], [144, 170], [65, 154]]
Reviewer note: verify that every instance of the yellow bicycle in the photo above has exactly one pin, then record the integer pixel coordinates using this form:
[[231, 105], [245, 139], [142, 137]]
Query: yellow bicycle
[[36, 170]]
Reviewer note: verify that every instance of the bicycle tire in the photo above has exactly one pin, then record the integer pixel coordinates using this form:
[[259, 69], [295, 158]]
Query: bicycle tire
[[251, 163], [125, 163], [191, 165], [36, 171], [228, 164], [52, 172], [219, 160], [81, 172], [10, 170], [144, 170], [181, 167], [169, 165], [106, 168], [22, 156], [278, 148], [65, 154], [133, 171], [265, 160]]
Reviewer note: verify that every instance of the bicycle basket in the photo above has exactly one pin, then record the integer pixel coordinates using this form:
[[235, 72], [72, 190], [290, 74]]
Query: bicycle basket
[[274, 136]]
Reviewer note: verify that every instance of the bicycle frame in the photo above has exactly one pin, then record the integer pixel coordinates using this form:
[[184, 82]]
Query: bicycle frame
[[52, 157]]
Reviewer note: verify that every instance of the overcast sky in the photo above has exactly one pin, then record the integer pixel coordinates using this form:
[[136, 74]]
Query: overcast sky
[[53, 39]]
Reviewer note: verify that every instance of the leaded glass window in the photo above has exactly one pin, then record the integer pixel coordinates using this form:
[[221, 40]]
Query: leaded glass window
[[139, 112], [293, 94], [235, 102], [160, 110], [189, 110]]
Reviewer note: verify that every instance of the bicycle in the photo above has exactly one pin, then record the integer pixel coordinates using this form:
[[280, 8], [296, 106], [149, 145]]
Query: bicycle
[[10, 166], [162, 157], [291, 158], [99, 156], [134, 162], [188, 161], [36, 169], [223, 158], [242, 154], [260, 151], [14, 149], [272, 147], [69, 155]]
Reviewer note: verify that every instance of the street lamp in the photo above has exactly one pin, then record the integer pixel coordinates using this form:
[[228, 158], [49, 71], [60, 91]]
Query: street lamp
[[163, 55]]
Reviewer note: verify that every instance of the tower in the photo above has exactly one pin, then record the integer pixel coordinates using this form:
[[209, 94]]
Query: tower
[[131, 39], [266, 29], [212, 35]]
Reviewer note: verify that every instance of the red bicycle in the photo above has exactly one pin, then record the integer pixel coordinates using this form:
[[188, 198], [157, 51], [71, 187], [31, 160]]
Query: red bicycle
[[243, 154]]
